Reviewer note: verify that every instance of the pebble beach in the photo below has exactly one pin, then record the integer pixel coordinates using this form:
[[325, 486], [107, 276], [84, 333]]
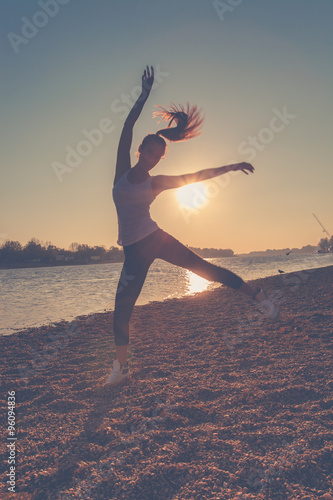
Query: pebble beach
[[221, 403]]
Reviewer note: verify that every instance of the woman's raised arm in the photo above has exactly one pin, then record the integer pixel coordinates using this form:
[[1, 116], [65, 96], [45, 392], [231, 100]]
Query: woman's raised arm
[[123, 154]]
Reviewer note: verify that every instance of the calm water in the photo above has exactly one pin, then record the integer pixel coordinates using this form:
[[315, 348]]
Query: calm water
[[39, 296]]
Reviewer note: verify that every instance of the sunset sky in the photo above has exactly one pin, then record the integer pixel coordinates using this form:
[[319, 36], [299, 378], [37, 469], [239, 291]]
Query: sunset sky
[[261, 71]]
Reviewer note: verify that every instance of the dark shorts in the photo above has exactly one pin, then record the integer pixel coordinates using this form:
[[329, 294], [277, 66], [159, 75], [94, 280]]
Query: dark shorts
[[139, 257], [157, 245]]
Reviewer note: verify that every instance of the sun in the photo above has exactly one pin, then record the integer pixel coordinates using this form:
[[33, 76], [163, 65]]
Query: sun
[[192, 195]]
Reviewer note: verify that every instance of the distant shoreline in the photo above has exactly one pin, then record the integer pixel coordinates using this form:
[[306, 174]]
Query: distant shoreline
[[33, 265], [269, 253]]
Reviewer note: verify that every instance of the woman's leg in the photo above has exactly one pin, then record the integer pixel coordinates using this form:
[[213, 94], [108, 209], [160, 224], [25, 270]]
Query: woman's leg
[[129, 287], [178, 254]]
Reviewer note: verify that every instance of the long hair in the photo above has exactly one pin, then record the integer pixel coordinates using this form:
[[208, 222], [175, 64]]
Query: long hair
[[188, 122]]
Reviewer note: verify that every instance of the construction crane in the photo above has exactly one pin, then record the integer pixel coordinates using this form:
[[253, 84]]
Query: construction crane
[[324, 230]]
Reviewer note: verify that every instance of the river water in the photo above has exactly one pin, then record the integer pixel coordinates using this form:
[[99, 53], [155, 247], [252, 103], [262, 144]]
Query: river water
[[38, 296]]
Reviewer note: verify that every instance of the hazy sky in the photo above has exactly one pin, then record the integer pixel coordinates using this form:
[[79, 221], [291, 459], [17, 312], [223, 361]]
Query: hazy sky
[[261, 71]]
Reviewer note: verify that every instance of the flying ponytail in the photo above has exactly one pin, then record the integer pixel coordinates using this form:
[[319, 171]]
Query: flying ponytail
[[188, 122]]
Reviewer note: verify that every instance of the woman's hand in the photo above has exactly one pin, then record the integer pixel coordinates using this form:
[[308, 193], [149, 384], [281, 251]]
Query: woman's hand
[[243, 167], [147, 80]]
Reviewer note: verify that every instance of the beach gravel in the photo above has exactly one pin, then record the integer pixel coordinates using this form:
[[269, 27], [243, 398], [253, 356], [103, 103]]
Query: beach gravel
[[221, 402]]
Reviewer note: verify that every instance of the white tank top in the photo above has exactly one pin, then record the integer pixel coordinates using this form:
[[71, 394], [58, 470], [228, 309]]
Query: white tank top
[[132, 203]]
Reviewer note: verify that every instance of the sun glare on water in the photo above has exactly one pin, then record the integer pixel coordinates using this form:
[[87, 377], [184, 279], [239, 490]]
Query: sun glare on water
[[192, 195], [196, 283]]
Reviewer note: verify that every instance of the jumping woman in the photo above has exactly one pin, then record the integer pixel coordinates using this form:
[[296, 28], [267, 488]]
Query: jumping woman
[[134, 190]]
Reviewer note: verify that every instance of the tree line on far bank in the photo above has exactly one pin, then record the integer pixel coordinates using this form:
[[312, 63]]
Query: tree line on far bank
[[36, 253]]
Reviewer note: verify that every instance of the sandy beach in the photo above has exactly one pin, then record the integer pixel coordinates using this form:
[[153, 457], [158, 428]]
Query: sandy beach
[[222, 403]]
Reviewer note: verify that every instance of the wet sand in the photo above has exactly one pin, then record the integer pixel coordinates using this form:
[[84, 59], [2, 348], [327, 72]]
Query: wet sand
[[221, 404]]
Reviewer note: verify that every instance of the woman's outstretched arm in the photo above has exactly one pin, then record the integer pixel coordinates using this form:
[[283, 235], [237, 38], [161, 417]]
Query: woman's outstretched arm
[[123, 154], [162, 182]]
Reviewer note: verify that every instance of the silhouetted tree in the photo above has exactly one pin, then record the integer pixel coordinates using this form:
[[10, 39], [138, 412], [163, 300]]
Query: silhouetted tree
[[73, 247], [11, 252], [83, 253], [50, 254], [114, 254], [326, 245], [99, 251], [33, 250]]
